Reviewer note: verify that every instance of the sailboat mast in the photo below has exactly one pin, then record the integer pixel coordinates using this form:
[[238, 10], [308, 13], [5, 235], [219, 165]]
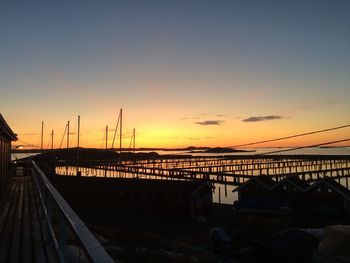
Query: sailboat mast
[[78, 131], [121, 130], [134, 138], [42, 135], [52, 140], [68, 135], [106, 137]]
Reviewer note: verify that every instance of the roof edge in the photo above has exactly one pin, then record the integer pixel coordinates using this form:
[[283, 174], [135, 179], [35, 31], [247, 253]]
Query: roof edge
[[5, 129]]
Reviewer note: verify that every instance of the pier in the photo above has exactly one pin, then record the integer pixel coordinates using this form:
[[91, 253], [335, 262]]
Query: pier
[[37, 224], [225, 169]]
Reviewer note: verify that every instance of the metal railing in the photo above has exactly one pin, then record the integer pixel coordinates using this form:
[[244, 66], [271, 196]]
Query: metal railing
[[64, 226]]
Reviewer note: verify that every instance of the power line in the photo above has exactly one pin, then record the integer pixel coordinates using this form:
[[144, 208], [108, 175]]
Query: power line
[[292, 136], [303, 147], [28, 143]]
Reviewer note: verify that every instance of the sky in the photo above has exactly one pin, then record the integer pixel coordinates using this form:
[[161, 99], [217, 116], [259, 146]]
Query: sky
[[185, 72]]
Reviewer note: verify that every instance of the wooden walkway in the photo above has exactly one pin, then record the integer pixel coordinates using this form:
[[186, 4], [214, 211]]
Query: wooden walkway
[[23, 231]]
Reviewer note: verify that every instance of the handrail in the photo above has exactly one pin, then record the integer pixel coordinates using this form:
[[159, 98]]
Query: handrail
[[63, 222]]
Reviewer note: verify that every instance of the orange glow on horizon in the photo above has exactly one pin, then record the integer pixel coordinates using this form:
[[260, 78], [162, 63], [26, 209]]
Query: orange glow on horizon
[[179, 137]]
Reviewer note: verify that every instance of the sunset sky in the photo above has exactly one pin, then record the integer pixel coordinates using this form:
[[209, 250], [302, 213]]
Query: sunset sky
[[202, 73]]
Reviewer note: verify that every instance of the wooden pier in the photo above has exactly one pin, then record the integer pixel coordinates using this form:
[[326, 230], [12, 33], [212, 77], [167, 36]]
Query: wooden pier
[[37, 224], [229, 170], [24, 234]]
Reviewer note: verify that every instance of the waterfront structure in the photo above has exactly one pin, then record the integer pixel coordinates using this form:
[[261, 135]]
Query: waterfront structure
[[136, 196], [289, 191], [6, 136], [255, 192], [321, 200], [327, 192], [231, 170]]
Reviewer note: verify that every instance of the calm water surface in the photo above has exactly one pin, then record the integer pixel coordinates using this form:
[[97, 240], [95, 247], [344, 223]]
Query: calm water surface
[[226, 194]]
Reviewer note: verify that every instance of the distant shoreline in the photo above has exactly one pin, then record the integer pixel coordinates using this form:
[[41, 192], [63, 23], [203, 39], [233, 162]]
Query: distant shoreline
[[220, 150], [190, 149]]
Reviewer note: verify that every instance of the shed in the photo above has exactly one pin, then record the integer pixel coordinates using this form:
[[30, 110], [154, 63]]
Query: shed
[[6, 136], [327, 191], [289, 191], [255, 192]]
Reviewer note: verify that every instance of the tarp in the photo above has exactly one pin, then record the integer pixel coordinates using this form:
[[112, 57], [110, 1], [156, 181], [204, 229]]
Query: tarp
[[335, 245]]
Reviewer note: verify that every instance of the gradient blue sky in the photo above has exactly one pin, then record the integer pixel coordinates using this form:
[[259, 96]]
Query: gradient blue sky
[[173, 65]]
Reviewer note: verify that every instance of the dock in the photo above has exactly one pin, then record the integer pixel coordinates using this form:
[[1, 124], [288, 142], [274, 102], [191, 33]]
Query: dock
[[37, 224], [233, 170]]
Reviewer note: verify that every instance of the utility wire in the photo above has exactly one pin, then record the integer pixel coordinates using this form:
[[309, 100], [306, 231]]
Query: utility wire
[[292, 136], [28, 143], [303, 147]]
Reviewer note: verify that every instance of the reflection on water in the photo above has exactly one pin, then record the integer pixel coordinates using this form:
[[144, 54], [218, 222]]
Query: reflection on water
[[261, 150], [221, 192]]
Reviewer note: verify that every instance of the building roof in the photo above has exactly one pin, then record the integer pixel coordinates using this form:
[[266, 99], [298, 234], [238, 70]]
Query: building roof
[[264, 180], [269, 184], [332, 184], [6, 131], [294, 181], [135, 185]]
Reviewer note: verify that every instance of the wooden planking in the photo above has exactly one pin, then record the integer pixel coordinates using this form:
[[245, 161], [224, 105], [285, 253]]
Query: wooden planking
[[5, 240], [26, 249], [24, 236], [14, 252], [5, 203], [37, 247]]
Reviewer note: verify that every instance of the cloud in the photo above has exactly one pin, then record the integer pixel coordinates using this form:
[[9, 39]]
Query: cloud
[[311, 107], [209, 122], [204, 115], [263, 118], [189, 118]]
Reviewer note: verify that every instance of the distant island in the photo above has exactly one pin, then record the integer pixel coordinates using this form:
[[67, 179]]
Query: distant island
[[220, 150], [192, 149]]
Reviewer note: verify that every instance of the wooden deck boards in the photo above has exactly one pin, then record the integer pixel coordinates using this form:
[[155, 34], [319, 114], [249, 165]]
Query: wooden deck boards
[[23, 232]]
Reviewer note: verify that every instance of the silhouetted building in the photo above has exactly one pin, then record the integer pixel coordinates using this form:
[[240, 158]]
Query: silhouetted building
[[318, 203], [289, 191], [6, 136], [326, 194], [136, 196], [255, 193]]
